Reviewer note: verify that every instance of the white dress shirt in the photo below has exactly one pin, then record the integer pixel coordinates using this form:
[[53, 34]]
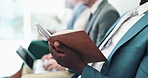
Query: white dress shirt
[[94, 7], [117, 35], [84, 16], [82, 20]]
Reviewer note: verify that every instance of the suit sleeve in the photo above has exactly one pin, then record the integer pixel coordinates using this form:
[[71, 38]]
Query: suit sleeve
[[106, 21], [90, 72], [143, 68]]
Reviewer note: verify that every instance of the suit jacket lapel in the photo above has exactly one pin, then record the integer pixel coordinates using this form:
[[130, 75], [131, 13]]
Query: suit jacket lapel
[[137, 27], [94, 16], [90, 23], [109, 31]]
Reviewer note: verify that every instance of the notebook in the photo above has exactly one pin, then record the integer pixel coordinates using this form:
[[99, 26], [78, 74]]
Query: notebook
[[77, 40]]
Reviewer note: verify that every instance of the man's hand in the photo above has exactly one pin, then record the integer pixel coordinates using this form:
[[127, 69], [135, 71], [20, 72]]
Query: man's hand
[[47, 56], [51, 63], [67, 57]]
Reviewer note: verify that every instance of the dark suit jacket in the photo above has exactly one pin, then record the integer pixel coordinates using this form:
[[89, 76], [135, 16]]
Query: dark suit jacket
[[101, 21], [129, 58]]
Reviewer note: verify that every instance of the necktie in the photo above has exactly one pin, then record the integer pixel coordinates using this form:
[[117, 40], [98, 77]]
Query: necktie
[[107, 41], [124, 19], [89, 19]]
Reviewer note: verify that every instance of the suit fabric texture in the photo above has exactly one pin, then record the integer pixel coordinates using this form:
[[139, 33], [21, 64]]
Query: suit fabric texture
[[129, 57], [103, 18]]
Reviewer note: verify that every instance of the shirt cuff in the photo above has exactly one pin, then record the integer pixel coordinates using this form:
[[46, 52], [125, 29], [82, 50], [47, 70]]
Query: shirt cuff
[[89, 72]]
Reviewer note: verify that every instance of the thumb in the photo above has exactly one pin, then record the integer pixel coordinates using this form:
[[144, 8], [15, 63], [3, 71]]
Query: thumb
[[61, 47]]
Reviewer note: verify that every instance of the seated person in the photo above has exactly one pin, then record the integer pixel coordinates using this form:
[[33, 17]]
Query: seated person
[[52, 64], [61, 71], [125, 46], [95, 23]]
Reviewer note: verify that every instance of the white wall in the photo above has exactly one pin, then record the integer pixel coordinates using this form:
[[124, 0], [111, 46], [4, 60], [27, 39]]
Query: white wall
[[124, 5]]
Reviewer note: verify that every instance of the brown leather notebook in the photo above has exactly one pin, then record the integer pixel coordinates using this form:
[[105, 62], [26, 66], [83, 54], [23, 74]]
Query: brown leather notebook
[[81, 43]]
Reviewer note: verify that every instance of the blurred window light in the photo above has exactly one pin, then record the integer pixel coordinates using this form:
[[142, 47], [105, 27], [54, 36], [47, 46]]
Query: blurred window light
[[17, 20], [11, 19]]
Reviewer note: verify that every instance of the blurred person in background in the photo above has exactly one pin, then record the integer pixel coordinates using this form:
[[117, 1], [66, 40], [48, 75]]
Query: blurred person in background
[[62, 72]]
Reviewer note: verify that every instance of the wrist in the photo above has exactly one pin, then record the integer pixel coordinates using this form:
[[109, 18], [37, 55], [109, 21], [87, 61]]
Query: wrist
[[81, 67]]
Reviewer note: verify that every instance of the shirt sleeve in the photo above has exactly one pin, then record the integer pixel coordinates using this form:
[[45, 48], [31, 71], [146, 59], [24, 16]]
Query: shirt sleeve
[[90, 72]]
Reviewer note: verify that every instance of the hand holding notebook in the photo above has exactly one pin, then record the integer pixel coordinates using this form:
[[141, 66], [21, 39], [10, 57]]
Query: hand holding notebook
[[77, 40]]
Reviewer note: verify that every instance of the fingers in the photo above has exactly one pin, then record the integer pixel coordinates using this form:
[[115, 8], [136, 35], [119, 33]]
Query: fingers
[[58, 46], [50, 67], [61, 47], [50, 56], [52, 64], [46, 56], [54, 52], [47, 66]]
